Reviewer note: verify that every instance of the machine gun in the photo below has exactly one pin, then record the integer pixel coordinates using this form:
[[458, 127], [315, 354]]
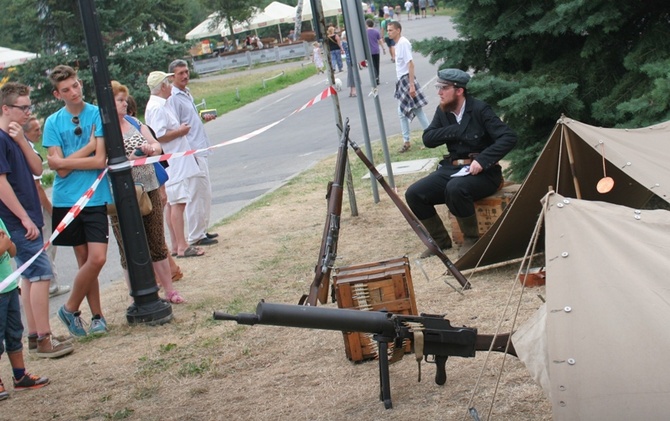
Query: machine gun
[[433, 337]]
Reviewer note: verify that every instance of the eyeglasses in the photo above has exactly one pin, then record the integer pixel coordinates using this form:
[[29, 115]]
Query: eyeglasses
[[441, 88], [24, 108], [77, 130]]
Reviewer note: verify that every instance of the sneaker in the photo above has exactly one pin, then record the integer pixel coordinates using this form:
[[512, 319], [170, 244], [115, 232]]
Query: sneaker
[[50, 347], [59, 290], [32, 341], [3, 393], [30, 381], [405, 147], [72, 321], [98, 326]]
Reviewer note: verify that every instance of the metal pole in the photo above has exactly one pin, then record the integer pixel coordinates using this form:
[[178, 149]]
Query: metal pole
[[320, 29], [147, 307], [352, 25]]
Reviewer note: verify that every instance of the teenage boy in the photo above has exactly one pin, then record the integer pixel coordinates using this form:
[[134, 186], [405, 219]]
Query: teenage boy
[[76, 151], [21, 211]]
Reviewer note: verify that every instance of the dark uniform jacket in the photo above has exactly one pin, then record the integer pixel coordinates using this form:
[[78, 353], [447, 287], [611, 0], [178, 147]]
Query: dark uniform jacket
[[480, 132]]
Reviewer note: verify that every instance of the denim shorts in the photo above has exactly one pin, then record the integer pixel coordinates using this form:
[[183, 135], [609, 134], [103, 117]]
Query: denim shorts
[[40, 269], [11, 328]]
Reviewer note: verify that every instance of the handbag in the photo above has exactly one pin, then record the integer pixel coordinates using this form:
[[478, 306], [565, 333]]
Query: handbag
[[159, 167], [143, 200]]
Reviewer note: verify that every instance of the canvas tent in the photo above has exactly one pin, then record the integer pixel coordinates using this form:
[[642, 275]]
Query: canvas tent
[[571, 163], [597, 345], [330, 8], [9, 57]]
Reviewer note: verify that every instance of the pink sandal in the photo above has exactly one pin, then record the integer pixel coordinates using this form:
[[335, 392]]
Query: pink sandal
[[175, 298]]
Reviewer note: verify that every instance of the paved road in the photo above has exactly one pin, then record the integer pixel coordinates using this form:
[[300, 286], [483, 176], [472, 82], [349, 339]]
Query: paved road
[[242, 173]]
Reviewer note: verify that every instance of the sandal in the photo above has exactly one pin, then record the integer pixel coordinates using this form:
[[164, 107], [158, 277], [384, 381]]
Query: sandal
[[175, 298], [191, 251], [177, 275]]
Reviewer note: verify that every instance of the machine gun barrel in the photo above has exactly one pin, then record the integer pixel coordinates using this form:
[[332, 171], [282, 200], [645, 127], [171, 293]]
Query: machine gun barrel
[[309, 317]]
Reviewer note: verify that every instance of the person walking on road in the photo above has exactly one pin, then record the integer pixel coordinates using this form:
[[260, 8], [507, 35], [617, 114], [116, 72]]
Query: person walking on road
[[407, 90]]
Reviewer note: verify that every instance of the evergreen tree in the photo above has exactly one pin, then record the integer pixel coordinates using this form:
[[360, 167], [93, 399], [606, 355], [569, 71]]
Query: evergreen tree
[[602, 62]]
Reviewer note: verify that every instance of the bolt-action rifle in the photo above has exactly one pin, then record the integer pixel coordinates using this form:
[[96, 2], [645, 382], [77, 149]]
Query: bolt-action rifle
[[433, 337], [413, 221], [331, 230]]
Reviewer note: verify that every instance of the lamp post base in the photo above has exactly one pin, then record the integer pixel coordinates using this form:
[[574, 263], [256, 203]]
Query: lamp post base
[[153, 313]]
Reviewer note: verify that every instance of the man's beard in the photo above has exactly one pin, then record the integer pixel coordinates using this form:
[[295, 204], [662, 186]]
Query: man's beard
[[449, 105]]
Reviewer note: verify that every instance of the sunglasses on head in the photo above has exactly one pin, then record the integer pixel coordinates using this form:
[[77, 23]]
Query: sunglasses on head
[[77, 130]]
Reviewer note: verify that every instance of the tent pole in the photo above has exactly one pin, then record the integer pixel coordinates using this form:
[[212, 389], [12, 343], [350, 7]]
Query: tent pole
[[571, 159]]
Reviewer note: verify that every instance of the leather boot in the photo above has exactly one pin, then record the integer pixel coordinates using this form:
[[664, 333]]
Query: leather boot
[[436, 229], [470, 232]]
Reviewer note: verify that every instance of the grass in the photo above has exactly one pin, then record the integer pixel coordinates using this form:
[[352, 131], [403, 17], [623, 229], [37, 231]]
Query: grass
[[236, 92]]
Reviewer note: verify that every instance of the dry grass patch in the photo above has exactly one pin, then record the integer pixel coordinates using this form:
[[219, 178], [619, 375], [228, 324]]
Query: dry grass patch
[[195, 368]]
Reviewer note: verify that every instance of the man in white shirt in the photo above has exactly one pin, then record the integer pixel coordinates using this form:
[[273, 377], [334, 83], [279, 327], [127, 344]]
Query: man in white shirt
[[407, 89], [182, 171], [181, 102]]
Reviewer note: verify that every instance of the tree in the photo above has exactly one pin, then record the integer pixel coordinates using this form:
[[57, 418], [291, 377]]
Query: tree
[[603, 62], [232, 11]]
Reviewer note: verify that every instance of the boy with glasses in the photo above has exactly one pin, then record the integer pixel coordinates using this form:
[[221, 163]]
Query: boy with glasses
[[74, 138], [21, 211]]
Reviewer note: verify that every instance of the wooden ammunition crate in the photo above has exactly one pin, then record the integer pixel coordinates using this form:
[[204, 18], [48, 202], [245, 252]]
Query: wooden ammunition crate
[[375, 286], [488, 210]]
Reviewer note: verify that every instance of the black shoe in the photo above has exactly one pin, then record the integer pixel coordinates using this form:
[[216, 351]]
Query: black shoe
[[205, 242], [211, 235]]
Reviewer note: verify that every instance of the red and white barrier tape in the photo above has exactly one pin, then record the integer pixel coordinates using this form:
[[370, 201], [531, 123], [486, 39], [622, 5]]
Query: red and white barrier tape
[[81, 203]]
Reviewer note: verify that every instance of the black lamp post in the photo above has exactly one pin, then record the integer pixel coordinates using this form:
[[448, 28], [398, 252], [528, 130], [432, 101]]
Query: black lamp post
[[147, 307]]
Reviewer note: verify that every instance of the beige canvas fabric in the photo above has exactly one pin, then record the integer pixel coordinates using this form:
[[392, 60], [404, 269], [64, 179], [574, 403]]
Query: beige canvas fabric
[[607, 311], [637, 159]]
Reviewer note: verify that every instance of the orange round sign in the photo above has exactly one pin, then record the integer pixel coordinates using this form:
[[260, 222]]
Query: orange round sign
[[605, 185]]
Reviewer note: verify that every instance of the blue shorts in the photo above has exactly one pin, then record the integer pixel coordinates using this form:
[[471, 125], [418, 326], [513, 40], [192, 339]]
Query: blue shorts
[[90, 226], [11, 328], [389, 42], [40, 269]]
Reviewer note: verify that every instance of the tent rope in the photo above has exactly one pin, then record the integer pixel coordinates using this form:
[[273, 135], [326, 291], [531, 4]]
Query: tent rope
[[528, 258]]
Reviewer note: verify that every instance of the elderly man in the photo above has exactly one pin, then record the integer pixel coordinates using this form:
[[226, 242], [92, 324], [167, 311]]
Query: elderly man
[[182, 171], [181, 102], [476, 140]]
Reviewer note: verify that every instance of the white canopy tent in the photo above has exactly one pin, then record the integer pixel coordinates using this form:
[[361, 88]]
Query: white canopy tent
[[330, 8], [9, 57], [274, 14]]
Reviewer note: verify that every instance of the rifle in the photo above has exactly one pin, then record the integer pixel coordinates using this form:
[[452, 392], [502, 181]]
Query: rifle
[[331, 230], [413, 221], [433, 337]]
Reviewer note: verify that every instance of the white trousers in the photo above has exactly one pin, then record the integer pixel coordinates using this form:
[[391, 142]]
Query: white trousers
[[198, 209]]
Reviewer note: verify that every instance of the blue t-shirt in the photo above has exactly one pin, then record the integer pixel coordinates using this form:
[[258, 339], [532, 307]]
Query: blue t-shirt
[[59, 131], [14, 165]]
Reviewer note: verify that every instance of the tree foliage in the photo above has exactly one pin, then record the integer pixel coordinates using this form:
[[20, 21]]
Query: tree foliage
[[131, 32], [232, 11], [602, 62]]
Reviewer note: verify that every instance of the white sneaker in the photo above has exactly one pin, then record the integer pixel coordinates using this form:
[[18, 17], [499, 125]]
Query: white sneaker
[[58, 290]]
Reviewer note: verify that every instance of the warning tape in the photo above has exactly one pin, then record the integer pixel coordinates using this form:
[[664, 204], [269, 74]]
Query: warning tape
[[81, 203]]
